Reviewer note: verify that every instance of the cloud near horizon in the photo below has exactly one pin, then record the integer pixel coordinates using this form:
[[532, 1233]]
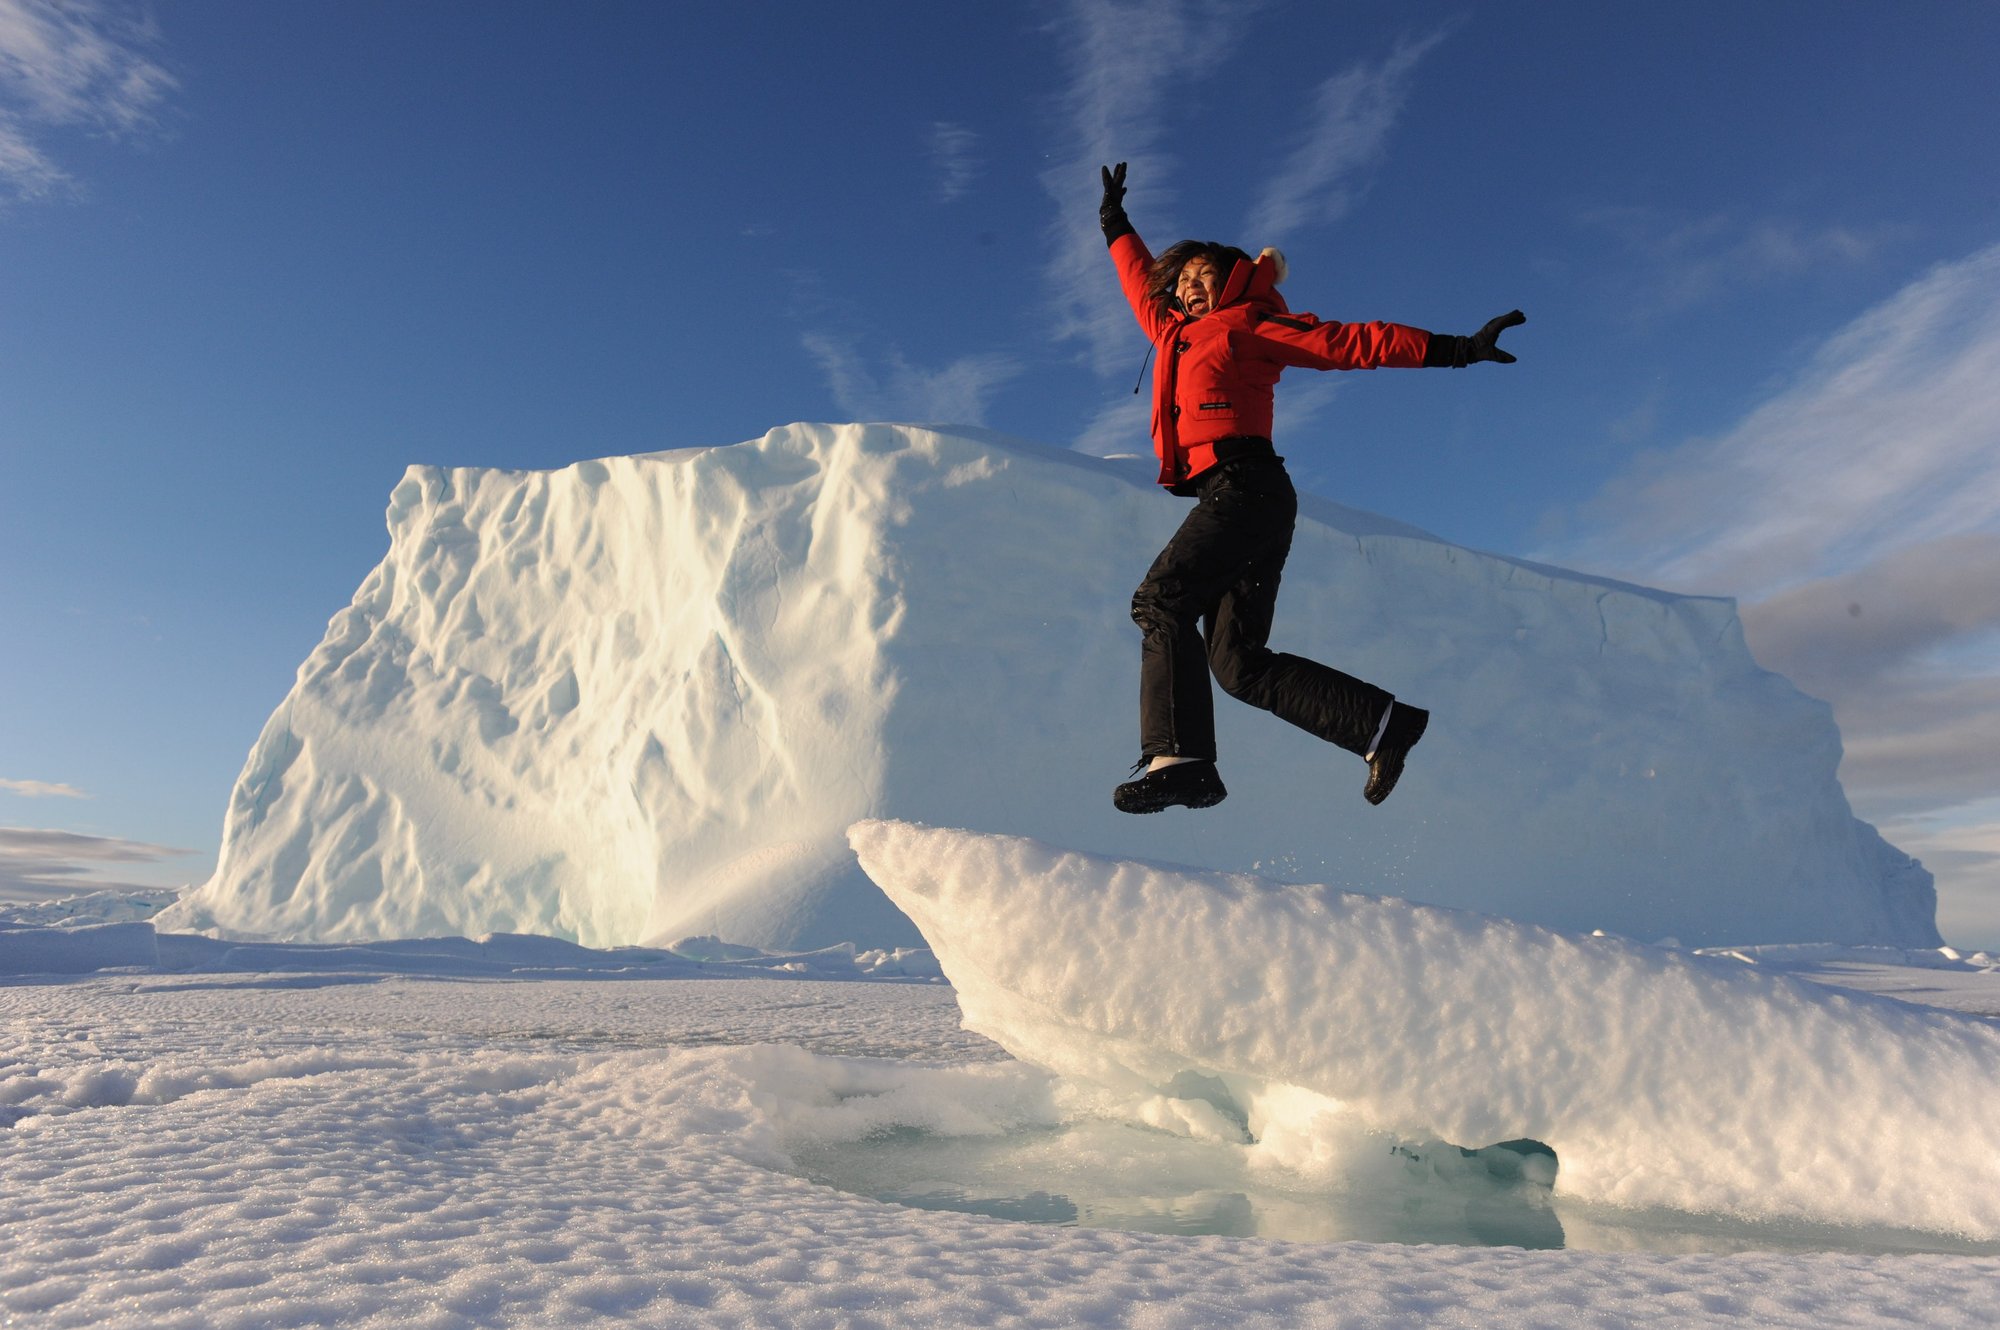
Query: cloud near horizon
[[1913, 682], [75, 64], [41, 789], [1856, 514], [40, 864]]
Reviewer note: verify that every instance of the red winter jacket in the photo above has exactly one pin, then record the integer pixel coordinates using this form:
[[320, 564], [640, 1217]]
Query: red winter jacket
[[1216, 372]]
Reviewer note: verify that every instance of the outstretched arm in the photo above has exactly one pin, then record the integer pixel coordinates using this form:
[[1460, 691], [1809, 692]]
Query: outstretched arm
[[1305, 340], [1128, 252], [1309, 342]]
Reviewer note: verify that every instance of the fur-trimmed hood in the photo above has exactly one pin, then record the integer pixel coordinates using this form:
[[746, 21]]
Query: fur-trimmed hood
[[1256, 280]]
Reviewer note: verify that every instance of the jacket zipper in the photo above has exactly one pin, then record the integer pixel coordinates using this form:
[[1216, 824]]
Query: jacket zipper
[[1173, 421]]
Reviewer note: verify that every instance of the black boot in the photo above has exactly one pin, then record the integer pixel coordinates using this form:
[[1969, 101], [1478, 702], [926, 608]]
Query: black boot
[[1406, 726], [1194, 784]]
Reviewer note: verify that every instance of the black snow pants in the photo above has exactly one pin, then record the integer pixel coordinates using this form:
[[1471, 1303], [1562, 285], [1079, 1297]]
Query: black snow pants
[[1206, 604]]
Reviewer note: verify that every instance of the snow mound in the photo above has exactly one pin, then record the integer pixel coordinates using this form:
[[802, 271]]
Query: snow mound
[[78, 949], [1213, 1001], [90, 907], [642, 698]]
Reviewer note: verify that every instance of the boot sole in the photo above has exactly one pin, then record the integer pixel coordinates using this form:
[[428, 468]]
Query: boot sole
[[1199, 801]]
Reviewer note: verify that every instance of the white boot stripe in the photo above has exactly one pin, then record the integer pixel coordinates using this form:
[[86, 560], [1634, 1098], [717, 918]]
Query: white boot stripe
[[1380, 730]]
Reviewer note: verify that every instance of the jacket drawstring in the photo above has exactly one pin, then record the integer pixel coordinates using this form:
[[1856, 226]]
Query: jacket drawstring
[[1142, 370]]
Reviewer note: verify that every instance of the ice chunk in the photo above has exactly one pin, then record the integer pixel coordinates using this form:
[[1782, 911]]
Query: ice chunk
[[90, 907], [1659, 1078], [643, 698]]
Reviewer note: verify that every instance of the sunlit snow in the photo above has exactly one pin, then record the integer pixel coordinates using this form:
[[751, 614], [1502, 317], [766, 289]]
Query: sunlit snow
[[539, 982], [1324, 1020], [393, 1136], [644, 697]]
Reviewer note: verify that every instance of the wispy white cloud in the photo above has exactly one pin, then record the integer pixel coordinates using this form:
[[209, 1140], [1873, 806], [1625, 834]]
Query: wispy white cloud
[[70, 64], [1301, 405], [40, 789], [955, 393], [1687, 261], [1123, 59], [1886, 440], [36, 863], [24, 171], [1348, 130], [954, 150], [1856, 512], [1123, 428]]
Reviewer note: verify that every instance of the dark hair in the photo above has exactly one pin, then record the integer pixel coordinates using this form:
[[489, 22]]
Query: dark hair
[[1166, 269]]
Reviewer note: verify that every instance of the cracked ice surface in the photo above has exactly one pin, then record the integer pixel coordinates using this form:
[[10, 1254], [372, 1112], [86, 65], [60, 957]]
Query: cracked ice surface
[[1660, 1078]]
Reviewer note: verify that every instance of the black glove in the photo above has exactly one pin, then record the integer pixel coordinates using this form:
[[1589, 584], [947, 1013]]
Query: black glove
[[1458, 352], [1484, 344], [1111, 213]]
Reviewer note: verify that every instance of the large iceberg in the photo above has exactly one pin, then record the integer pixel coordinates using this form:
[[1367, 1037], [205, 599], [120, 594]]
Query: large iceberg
[[1298, 1016], [643, 697]]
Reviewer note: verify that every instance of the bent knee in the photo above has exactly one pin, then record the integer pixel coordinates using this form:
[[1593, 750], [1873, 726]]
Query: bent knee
[[1242, 675], [1154, 606]]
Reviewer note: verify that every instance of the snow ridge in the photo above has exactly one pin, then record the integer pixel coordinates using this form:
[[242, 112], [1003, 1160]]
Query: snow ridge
[[1659, 1078]]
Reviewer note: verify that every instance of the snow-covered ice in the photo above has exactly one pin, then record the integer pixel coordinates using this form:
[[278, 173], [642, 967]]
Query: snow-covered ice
[[399, 1148], [539, 984], [644, 697], [1312, 1022]]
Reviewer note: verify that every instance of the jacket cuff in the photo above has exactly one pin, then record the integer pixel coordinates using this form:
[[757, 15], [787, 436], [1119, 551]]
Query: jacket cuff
[[1445, 351], [1115, 223]]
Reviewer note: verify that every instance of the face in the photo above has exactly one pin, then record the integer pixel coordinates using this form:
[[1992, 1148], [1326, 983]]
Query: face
[[1198, 286]]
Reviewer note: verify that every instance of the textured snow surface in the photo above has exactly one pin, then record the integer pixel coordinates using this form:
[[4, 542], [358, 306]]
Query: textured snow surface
[[298, 1149], [1659, 1078], [643, 697]]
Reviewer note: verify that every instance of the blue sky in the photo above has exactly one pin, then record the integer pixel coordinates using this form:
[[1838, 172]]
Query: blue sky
[[255, 259]]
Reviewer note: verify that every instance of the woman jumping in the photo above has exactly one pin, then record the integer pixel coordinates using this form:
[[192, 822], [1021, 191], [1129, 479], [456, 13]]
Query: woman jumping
[[1223, 335]]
